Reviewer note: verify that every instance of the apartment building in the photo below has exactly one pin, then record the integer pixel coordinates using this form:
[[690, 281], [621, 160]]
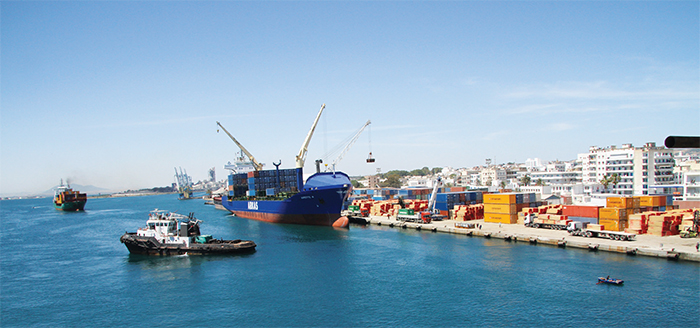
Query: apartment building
[[492, 175], [639, 168], [688, 174]]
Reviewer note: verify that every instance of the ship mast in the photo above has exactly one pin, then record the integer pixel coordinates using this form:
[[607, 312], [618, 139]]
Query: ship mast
[[301, 157]]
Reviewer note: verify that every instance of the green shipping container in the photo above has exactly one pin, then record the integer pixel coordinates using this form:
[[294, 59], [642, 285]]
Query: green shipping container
[[406, 211]]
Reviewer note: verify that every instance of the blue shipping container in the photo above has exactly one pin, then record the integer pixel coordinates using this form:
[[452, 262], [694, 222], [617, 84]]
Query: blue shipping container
[[442, 206]]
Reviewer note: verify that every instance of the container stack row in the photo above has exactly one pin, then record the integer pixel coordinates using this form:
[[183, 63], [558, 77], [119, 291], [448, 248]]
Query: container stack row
[[376, 194], [655, 203], [386, 207], [415, 193], [262, 183], [446, 202]]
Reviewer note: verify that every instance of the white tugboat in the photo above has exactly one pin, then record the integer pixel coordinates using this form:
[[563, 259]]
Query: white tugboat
[[169, 233]]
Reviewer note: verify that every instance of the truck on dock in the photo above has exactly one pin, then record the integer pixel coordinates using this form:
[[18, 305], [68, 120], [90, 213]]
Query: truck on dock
[[576, 228], [409, 215], [354, 210], [533, 221]]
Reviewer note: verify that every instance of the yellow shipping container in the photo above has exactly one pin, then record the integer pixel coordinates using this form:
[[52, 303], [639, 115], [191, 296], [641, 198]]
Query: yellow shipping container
[[614, 225], [499, 199], [500, 208], [612, 213], [501, 218]]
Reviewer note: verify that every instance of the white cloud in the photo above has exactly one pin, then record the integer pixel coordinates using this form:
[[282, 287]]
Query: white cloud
[[561, 126]]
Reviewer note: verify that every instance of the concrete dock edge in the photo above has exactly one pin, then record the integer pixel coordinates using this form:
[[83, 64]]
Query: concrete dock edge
[[671, 248]]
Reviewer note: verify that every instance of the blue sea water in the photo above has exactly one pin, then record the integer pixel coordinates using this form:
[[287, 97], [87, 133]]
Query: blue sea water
[[69, 269]]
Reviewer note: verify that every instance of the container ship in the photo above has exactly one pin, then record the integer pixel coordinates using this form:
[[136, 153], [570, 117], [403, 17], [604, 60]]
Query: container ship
[[65, 199], [274, 196], [281, 196]]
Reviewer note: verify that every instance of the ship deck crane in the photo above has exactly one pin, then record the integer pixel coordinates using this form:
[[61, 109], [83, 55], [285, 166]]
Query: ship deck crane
[[350, 143], [256, 165], [301, 157]]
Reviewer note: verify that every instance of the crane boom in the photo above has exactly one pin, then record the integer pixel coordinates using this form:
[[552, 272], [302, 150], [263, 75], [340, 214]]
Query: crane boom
[[352, 141], [433, 195], [301, 157], [256, 165]]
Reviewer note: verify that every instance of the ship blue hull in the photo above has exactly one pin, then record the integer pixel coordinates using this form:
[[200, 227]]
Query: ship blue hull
[[319, 203]]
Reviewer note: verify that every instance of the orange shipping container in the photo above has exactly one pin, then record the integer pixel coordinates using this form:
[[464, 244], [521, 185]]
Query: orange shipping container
[[499, 199], [614, 225], [612, 214], [501, 218], [622, 202], [500, 208], [652, 201]]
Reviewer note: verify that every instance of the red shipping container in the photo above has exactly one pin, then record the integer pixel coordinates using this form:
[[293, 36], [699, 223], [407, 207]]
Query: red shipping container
[[581, 211]]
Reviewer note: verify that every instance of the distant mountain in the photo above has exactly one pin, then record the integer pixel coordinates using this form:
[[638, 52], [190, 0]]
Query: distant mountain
[[84, 189]]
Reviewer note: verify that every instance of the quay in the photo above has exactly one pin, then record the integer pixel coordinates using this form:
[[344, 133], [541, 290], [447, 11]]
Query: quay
[[669, 247]]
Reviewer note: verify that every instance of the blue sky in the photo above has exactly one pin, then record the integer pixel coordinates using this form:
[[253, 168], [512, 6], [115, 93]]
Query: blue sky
[[117, 94]]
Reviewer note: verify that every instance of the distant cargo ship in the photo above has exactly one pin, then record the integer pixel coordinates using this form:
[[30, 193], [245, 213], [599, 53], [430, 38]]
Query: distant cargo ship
[[281, 196], [65, 199]]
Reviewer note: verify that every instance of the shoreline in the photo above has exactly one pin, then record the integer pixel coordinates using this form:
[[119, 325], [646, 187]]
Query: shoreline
[[132, 194], [669, 247]]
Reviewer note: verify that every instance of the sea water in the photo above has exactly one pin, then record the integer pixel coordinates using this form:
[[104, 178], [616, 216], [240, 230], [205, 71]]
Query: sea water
[[62, 269]]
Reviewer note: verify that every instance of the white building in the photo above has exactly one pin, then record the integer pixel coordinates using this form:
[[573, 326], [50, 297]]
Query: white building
[[493, 174], [688, 173], [534, 164], [639, 169]]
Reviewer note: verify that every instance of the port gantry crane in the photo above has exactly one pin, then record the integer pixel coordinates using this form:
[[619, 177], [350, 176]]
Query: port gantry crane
[[256, 165], [347, 147]]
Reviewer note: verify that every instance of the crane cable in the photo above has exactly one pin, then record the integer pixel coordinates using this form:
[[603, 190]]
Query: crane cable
[[339, 147], [369, 137]]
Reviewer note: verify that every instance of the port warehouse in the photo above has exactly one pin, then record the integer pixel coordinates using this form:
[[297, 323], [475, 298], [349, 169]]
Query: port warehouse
[[653, 215]]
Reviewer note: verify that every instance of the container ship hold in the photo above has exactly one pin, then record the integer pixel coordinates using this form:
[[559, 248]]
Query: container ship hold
[[281, 196]]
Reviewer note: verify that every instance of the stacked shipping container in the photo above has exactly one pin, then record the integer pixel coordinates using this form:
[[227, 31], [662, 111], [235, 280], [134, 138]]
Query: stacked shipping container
[[504, 208], [447, 201], [614, 217], [262, 183]]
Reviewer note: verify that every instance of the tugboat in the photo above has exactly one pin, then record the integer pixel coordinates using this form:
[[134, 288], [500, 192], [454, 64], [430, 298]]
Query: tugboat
[[169, 233], [65, 199]]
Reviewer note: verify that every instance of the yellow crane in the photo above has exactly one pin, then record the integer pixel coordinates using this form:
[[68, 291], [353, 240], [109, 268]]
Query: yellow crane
[[301, 157], [256, 165]]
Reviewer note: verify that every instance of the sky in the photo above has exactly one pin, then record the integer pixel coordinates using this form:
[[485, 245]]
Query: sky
[[116, 94]]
